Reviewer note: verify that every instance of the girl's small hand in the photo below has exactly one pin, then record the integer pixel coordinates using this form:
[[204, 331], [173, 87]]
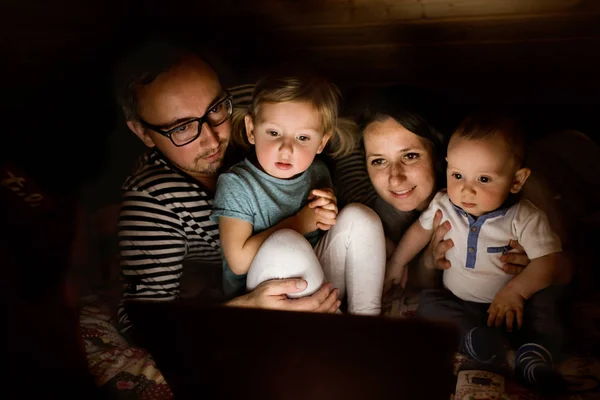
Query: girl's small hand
[[306, 220], [323, 198], [324, 203]]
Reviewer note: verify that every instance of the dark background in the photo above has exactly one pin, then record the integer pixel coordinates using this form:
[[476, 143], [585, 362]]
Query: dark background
[[60, 124], [60, 120]]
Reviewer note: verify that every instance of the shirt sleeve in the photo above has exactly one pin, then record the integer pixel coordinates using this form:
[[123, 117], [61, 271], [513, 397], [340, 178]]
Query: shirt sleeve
[[152, 246], [232, 199], [426, 217], [533, 231]]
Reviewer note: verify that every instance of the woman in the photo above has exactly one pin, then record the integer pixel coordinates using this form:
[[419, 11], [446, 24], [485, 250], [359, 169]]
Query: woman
[[404, 157]]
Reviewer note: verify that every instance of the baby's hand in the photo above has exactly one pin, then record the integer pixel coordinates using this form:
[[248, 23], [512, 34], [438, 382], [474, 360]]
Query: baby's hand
[[395, 274], [507, 305], [324, 203]]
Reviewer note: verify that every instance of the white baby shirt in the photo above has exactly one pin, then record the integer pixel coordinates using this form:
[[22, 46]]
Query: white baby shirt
[[476, 271]]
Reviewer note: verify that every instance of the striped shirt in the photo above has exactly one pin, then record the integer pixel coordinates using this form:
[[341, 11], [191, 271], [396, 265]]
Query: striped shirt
[[164, 220], [163, 223]]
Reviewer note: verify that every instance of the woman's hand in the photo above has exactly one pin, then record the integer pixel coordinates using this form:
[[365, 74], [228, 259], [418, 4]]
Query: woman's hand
[[324, 203], [437, 248], [515, 262]]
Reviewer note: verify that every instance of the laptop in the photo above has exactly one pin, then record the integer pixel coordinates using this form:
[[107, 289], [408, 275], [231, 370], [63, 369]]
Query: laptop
[[239, 353]]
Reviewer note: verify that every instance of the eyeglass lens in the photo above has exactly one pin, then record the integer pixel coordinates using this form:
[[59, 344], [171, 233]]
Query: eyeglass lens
[[190, 131]]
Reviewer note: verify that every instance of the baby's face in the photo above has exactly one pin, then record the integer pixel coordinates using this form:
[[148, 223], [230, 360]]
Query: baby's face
[[480, 173]]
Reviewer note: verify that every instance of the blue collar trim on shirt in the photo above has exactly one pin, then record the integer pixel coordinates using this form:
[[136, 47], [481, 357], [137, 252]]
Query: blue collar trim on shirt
[[475, 226]]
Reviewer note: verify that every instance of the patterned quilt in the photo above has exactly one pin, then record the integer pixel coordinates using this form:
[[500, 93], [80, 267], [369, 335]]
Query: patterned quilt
[[122, 371]]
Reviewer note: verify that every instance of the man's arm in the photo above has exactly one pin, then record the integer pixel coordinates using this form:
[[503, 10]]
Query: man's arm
[[151, 251], [541, 273]]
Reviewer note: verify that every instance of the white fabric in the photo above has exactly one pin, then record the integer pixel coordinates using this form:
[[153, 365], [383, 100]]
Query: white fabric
[[523, 222], [351, 255]]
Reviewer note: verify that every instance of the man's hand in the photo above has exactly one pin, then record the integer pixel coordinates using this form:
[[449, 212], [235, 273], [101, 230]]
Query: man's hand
[[515, 262], [324, 203], [437, 248], [507, 305], [272, 294]]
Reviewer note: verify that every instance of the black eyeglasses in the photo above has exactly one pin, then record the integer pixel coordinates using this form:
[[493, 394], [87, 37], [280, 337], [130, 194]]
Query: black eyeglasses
[[189, 131]]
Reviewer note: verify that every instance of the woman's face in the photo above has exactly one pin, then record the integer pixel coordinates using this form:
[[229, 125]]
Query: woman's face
[[400, 165]]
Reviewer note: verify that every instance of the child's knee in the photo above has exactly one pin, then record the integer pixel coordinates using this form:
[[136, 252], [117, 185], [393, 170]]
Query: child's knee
[[286, 239], [286, 254], [359, 214]]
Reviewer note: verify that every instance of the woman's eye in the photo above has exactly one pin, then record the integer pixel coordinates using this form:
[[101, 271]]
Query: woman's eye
[[412, 156], [484, 179], [378, 162], [303, 138], [456, 175]]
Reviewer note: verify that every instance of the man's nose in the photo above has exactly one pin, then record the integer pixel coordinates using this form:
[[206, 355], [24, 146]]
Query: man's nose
[[209, 136]]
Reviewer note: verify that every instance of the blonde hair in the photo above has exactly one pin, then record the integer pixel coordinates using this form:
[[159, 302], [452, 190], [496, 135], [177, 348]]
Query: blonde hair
[[322, 94]]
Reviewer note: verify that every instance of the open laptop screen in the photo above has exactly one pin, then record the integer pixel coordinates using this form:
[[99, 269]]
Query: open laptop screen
[[223, 353]]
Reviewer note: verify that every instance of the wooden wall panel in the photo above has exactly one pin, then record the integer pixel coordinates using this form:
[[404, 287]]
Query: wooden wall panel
[[543, 28], [461, 8]]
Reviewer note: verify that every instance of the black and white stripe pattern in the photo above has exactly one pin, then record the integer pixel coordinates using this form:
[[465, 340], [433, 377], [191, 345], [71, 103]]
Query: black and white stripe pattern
[[164, 220], [351, 180], [242, 95]]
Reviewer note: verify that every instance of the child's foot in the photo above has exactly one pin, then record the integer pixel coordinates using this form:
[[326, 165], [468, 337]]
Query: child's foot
[[485, 345], [533, 368]]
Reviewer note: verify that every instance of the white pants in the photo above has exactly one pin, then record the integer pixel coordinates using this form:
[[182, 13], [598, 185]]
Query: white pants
[[351, 255]]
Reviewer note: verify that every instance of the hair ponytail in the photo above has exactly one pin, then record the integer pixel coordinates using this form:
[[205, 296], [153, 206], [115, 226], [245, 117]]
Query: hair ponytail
[[238, 128], [345, 138]]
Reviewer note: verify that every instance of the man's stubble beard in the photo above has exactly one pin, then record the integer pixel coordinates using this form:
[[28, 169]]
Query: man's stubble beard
[[210, 168]]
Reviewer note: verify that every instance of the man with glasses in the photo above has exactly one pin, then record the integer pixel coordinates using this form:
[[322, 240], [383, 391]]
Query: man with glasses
[[173, 101]]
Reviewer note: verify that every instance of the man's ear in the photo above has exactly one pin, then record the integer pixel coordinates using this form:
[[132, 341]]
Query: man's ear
[[519, 180], [324, 141], [140, 132], [249, 128]]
